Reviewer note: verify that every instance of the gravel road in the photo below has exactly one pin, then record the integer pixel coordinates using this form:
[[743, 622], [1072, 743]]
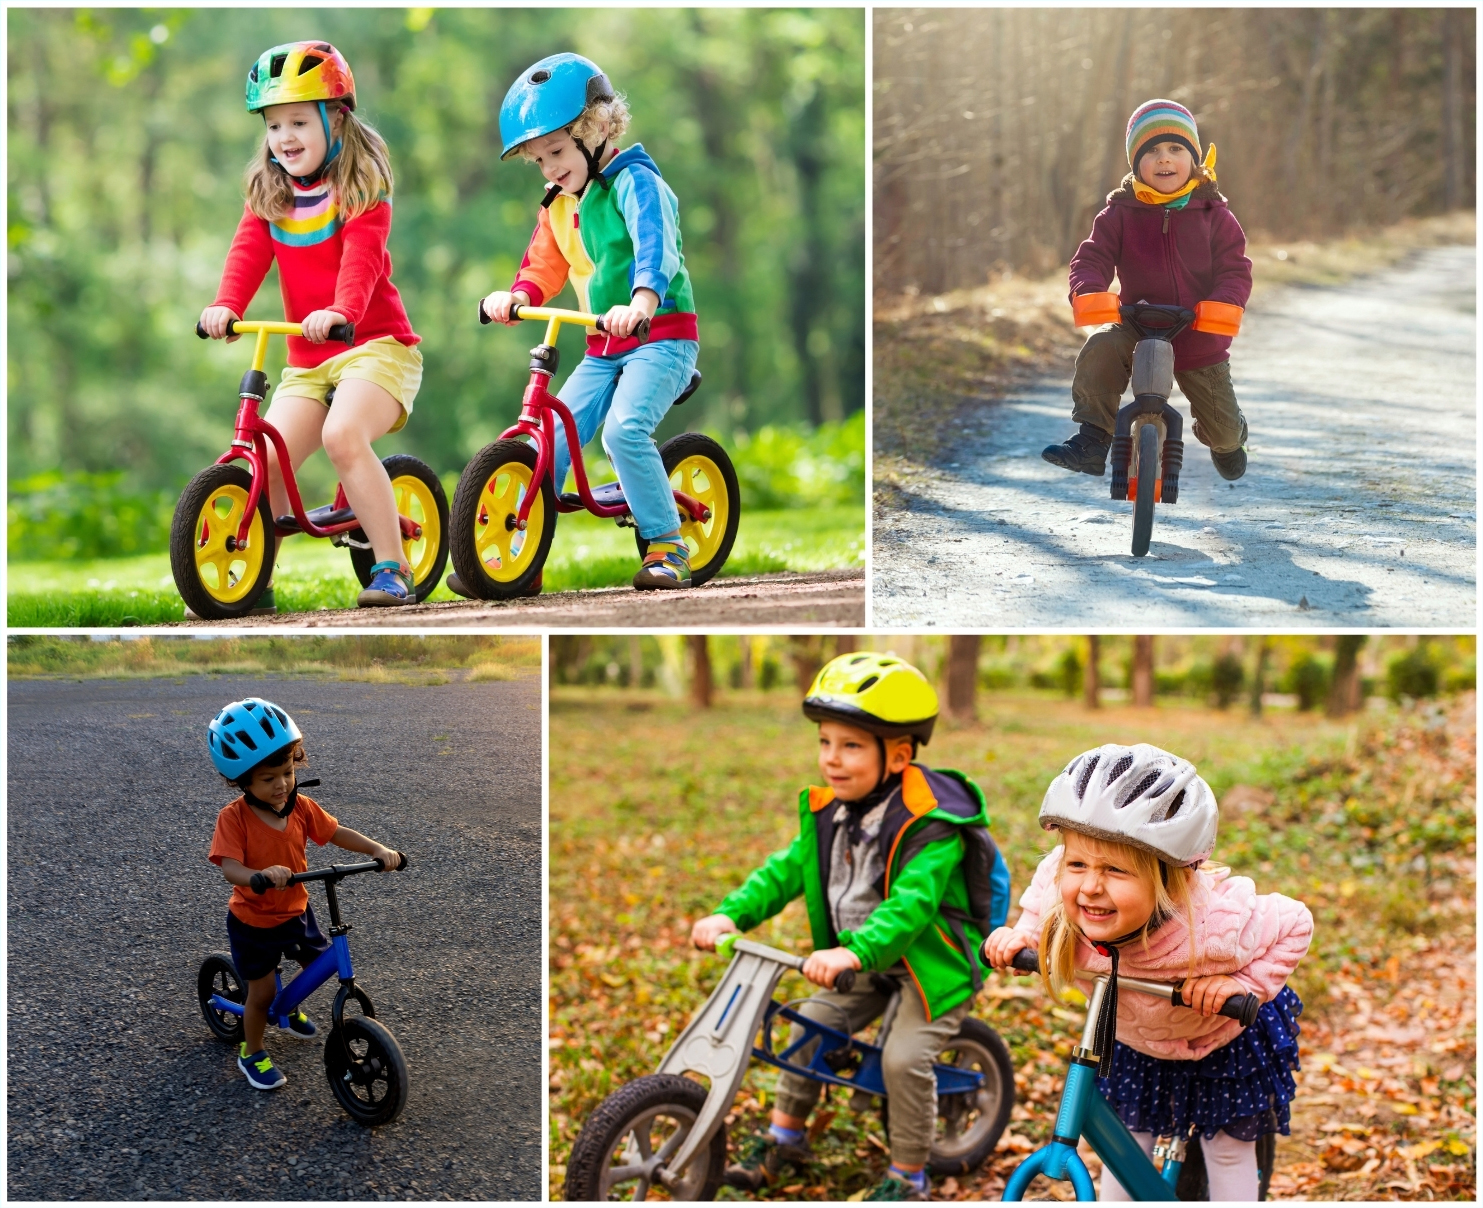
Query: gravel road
[[807, 598], [1358, 509], [116, 1088]]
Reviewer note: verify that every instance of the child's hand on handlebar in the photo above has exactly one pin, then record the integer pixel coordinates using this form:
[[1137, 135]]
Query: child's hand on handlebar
[[317, 325], [708, 930], [390, 859], [215, 319], [1208, 994], [277, 874], [499, 304], [823, 967], [1000, 948], [623, 321]]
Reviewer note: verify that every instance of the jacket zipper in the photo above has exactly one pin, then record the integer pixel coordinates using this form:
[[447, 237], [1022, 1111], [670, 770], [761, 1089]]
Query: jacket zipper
[[1169, 257]]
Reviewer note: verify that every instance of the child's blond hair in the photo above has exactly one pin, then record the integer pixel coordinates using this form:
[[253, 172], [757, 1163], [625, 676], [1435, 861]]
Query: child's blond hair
[[360, 175], [1173, 893], [614, 111]]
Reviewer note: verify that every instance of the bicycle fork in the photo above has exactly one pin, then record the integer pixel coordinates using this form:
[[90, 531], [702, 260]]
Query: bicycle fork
[[1153, 383]]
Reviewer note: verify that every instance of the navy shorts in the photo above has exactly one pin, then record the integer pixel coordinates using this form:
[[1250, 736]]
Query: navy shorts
[[256, 951]]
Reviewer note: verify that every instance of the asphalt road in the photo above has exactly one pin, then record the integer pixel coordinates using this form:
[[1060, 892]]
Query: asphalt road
[[117, 1090], [808, 598], [1358, 508]]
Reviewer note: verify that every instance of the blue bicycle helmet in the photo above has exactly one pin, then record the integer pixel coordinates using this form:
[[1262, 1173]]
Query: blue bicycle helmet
[[246, 733], [549, 96]]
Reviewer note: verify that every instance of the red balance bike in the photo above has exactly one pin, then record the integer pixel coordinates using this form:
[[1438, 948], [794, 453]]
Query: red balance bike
[[223, 536], [505, 507]]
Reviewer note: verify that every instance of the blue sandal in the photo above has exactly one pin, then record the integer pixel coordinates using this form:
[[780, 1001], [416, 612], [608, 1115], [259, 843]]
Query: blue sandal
[[389, 587], [666, 565]]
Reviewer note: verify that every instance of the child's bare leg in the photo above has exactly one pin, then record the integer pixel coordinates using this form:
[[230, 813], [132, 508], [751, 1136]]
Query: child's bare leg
[[365, 412], [300, 421], [260, 992]]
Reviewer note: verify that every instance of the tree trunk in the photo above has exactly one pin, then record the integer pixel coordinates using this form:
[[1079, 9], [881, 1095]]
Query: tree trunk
[[846, 643], [962, 676], [1091, 682], [1259, 676], [1143, 671], [1345, 691], [700, 671], [635, 662], [807, 658], [748, 671], [1453, 152]]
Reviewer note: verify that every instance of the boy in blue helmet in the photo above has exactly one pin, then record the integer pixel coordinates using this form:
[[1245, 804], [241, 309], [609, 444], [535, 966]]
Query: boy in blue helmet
[[611, 226], [257, 746]]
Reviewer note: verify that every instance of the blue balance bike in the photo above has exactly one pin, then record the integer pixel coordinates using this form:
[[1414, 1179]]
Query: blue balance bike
[[1084, 1112], [666, 1132], [362, 1059]]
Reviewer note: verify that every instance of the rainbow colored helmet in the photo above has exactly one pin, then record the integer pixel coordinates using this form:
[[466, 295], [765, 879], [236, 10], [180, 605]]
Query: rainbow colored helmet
[[299, 71], [877, 692]]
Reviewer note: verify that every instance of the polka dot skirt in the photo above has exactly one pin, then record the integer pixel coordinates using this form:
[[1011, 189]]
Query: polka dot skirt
[[1243, 1087]]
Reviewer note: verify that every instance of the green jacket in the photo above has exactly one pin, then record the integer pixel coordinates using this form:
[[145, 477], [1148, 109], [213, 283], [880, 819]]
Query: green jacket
[[923, 854]]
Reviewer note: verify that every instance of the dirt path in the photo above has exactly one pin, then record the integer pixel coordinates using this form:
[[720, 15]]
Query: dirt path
[[1359, 507], [814, 598], [117, 1090]]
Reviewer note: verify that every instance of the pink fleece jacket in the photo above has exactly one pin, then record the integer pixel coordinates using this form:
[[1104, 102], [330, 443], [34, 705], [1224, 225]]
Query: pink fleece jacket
[[1258, 939]]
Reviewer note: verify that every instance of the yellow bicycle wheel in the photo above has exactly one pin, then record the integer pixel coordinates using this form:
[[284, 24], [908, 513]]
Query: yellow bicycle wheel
[[215, 576], [699, 467], [493, 557], [419, 497]]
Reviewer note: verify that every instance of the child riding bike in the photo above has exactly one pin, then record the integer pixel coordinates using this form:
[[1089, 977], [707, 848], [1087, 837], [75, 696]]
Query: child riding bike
[[884, 858], [256, 745], [319, 203], [611, 224], [1170, 237], [1131, 886]]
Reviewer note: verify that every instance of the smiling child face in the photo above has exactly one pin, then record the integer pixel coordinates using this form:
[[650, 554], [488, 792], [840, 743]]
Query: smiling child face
[[560, 159], [850, 759], [1165, 166], [296, 135], [1101, 893]]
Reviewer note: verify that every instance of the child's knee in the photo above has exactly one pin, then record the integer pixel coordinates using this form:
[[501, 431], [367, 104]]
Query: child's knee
[[626, 434]]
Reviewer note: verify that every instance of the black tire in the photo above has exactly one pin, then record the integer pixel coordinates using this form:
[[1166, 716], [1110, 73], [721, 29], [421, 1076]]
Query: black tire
[[1194, 1180], [470, 502], [218, 975], [193, 529], [1148, 476], [371, 1085], [427, 562], [712, 546], [609, 1134], [968, 1128]]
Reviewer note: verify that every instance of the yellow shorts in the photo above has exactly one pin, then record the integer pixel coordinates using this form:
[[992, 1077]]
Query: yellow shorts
[[388, 362]]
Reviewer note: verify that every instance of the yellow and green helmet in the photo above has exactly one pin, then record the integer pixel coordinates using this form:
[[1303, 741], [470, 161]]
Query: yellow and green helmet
[[299, 71], [877, 692]]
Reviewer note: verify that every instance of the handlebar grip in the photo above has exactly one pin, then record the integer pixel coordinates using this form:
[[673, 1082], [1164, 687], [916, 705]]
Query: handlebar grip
[[260, 883], [344, 332], [1240, 1007], [401, 866], [486, 320], [1026, 960], [844, 981], [202, 333]]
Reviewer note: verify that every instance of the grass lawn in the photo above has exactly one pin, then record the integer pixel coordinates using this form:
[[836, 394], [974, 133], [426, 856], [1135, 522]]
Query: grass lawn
[[1369, 821], [587, 552]]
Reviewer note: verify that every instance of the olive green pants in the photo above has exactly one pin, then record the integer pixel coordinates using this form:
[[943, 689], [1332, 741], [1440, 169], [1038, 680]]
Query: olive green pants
[[1106, 363], [906, 1063]]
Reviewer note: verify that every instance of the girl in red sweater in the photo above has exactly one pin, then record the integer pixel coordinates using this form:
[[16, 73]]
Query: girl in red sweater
[[319, 202]]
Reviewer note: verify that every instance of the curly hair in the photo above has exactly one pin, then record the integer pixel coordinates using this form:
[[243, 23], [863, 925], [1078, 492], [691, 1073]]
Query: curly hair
[[294, 754], [360, 175], [613, 111]]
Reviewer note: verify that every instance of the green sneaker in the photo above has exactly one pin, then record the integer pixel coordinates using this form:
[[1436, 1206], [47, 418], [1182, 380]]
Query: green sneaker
[[262, 1074], [892, 1188], [761, 1161]]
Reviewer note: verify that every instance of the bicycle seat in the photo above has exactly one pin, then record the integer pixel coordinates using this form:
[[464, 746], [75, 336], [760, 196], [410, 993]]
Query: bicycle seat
[[689, 390], [320, 517], [610, 494]]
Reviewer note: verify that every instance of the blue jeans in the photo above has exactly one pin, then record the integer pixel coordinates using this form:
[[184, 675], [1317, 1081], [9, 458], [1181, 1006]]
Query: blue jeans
[[652, 377]]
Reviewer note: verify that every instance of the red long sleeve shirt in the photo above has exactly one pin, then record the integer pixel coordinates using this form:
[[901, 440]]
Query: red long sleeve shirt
[[324, 263]]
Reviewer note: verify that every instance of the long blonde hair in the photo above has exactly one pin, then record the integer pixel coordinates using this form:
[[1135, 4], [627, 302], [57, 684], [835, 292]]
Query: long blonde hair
[[1173, 895], [360, 175]]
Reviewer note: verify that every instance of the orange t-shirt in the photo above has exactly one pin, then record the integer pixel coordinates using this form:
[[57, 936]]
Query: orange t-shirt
[[242, 836]]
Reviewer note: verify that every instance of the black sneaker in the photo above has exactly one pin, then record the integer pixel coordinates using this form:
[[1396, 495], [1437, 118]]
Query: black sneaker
[[1229, 466], [761, 1161], [1086, 452]]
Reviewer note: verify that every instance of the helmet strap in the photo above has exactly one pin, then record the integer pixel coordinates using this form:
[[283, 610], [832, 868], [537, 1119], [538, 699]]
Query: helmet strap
[[594, 163], [335, 148], [288, 806]]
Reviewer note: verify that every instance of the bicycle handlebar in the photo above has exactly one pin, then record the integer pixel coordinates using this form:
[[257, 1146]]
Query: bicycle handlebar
[[517, 313], [1240, 1007], [728, 943], [344, 332], [335, 872]]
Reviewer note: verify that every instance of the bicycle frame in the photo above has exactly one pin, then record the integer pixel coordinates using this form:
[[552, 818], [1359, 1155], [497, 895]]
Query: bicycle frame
[[1152, 382], [538, 404], [250, 444]]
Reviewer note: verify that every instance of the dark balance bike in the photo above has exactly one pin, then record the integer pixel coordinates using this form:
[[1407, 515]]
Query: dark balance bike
[[224, 536], [666, 1132], [505, 507], [364, 1063], [1148, 442]]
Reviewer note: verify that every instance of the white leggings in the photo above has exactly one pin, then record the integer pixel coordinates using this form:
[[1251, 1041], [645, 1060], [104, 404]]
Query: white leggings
[[1229, 1163]]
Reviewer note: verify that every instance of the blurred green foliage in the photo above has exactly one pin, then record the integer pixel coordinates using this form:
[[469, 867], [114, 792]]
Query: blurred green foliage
[[127, 139], [82, 515], [789, 467]]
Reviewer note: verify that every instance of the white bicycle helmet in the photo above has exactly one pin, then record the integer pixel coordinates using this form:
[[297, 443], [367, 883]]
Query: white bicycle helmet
[[1137, 795]]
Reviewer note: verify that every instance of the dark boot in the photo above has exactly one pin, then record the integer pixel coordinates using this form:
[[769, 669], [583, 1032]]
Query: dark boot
[[762, 1161], [1229, 466], [1086, 452]]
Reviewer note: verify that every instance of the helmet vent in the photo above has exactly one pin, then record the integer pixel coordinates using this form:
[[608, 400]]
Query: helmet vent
[[324, 46], [308, 63], [868, 683], [1138, 789], [266, 725], [1086, 776], [1174, 805], [244, 737], [888, 662], [275, 69], [540, 77], [252, 75], [1121, 766], [858, 659]]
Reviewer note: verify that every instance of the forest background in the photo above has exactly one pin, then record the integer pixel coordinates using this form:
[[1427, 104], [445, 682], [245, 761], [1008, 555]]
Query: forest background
[[127, 141]]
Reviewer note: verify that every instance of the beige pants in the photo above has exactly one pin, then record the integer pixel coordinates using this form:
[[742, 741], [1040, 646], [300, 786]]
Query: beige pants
[[1105, 365], [906, 1064]]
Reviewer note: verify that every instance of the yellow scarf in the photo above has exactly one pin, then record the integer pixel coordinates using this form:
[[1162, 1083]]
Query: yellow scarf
[[1150, 195]]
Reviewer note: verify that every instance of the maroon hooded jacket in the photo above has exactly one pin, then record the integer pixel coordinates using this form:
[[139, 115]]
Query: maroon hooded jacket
[[1171, 257]]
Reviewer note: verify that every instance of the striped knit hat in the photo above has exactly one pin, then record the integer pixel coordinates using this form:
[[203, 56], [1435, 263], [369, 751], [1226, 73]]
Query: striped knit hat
[[1161, 121]]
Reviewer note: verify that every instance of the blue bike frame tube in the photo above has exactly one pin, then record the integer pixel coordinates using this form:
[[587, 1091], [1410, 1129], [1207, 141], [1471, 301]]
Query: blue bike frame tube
[[1025, 1172], [336, 958], [1120, 1154]]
